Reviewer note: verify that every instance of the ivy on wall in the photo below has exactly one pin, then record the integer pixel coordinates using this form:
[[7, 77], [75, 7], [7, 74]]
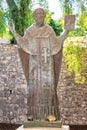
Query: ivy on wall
[[75, 55]]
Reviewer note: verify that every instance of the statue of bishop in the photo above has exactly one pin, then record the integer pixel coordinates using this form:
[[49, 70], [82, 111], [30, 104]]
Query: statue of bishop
[[42, 64]]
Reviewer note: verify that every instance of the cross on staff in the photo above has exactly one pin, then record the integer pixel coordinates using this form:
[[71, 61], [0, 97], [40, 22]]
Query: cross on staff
[[45, 54]]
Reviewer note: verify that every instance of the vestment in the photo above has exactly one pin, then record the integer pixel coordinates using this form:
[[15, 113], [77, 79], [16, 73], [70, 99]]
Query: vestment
[[42, 47]]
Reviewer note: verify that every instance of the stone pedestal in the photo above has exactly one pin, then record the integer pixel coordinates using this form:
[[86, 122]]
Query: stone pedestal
[[42, 125]]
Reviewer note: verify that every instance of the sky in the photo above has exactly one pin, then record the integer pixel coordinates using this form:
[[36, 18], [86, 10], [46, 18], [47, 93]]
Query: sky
[[54, 6]]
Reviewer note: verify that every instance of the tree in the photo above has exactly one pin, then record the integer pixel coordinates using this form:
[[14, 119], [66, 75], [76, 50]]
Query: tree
[[2, 22], [43, 3], [56, 26], [73, 6], [78, 7], [48, 16], [66, 6], [82, 24], [19, 15]]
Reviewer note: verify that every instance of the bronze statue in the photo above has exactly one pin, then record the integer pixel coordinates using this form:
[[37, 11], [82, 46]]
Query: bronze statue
[[44, 55]]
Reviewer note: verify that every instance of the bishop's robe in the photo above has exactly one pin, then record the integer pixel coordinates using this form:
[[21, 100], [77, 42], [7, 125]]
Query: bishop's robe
[[44, 61]]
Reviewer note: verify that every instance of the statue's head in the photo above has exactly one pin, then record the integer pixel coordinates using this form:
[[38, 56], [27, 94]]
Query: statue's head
[[39, 16]]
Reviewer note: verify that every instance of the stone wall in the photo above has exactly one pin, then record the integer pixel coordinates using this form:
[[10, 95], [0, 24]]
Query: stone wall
[[13, 86], [13, 91], [72, 97]]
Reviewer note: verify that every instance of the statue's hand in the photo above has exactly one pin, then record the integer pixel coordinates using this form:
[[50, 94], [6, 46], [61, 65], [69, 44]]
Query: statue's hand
[[11, 26], [69, 27]]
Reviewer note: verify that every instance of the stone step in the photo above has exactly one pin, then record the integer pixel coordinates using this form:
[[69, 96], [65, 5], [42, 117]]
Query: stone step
[[36, 125], [42, 128], [64, 127]]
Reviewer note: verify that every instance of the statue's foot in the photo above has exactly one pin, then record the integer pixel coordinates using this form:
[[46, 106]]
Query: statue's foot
[[30, 118], [51, 118]]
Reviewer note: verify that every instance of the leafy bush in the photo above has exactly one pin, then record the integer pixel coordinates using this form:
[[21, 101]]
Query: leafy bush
[[76, 60], [56, 26]]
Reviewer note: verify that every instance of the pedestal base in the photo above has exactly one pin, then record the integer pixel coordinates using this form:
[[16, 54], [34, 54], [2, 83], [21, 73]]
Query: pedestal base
[[32, 124], [42, 128]]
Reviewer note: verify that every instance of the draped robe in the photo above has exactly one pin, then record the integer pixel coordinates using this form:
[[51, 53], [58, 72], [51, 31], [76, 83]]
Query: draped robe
[[41, 61]]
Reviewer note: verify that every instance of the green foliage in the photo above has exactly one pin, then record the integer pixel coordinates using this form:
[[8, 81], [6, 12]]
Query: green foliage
[[71, 6], [43, 3], [81, 26], [66, 6], [56, 26], [75, 58], [79, 8], [22, 16], [2, 23], [25, 14], [48, 16], [82, 23], [82, 5], [20, 13]]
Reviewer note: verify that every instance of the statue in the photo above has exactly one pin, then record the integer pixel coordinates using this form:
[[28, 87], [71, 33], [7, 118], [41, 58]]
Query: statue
[[44, 51]]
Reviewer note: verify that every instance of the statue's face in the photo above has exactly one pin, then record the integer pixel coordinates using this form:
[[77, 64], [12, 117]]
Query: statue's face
[[39, 16]]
